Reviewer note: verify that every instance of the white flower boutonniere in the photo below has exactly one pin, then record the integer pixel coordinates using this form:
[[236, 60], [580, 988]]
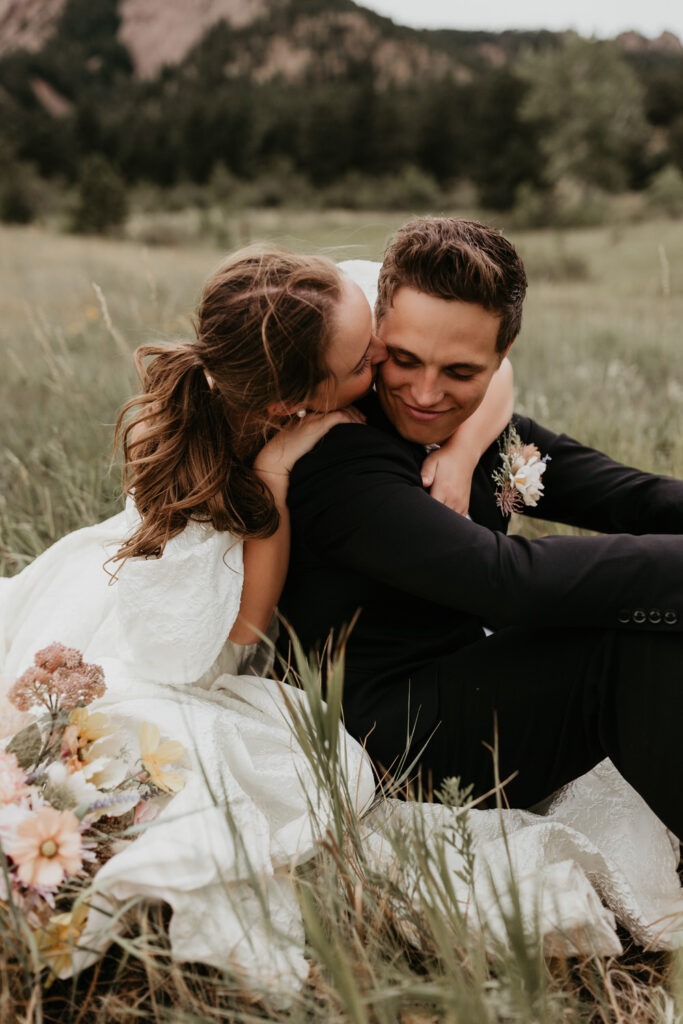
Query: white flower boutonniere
[[518, 478]]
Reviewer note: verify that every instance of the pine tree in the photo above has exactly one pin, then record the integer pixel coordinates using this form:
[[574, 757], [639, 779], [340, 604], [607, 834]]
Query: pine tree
[[102, 202]]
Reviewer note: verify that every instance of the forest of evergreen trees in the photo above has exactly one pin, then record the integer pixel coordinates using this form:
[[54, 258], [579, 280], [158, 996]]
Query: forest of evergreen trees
[[562, 109]]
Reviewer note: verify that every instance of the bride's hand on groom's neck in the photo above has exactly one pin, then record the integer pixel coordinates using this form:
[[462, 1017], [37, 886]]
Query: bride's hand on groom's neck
[[448, 477], [297, 437]]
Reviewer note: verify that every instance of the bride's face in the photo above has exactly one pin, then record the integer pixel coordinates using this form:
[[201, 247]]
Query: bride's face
[[352, 355]]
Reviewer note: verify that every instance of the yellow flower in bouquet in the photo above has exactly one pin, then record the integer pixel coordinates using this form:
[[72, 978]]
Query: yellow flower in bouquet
[[56, 941], [155, 755], [84, 729]]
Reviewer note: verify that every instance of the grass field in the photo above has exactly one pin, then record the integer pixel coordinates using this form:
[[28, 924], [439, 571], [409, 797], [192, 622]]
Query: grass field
[[600, 357]]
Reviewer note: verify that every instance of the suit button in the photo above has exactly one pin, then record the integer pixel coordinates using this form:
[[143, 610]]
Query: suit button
[[655, 616], [639, 616], [624, 616], [670, 617]]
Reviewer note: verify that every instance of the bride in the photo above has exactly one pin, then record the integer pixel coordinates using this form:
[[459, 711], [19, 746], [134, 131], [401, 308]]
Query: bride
[[172, 595]]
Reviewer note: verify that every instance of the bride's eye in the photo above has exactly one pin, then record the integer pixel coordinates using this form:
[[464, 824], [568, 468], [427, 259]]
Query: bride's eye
[[362, 367]]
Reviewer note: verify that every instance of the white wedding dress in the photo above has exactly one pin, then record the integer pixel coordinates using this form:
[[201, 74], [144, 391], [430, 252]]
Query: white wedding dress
[[595, 853], [160, 634]]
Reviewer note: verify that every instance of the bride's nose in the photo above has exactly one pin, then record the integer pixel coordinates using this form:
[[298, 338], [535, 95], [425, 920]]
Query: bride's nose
[[378, 350]]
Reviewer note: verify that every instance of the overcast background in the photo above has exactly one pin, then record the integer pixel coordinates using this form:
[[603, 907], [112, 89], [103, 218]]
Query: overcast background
[[585, 16]]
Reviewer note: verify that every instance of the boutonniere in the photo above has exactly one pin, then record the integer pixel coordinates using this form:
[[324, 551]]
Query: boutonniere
[[518, 478]]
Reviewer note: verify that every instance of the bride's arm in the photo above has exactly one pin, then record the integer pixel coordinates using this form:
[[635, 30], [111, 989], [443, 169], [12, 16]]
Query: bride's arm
[[266, 560], [172, 614], [448, 471]]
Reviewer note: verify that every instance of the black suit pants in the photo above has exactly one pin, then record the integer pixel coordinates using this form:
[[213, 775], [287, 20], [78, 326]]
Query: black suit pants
[[560, 701]]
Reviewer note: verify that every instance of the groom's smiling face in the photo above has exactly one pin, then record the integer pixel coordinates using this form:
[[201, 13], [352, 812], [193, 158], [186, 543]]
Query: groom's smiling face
[[442, 355]]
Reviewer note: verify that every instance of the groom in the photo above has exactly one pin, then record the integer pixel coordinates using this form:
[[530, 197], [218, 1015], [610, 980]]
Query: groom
[[586, 658]]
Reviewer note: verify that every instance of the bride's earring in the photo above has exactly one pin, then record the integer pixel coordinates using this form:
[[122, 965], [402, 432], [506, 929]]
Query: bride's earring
[[301, 413]]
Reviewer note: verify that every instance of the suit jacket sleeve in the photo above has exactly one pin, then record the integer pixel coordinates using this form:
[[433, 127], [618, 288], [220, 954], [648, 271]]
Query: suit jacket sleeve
[[584, 487], [358, 501]]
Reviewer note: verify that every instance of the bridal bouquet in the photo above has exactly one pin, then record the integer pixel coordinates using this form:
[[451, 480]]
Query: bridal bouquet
[[70, 792]]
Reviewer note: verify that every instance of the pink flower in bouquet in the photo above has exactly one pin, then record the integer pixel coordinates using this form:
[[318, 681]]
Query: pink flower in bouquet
[[58, 656], [32, 687], [11, 816], [76, 687], [145, 812], [58, 678], [12, 779], [47, 847]]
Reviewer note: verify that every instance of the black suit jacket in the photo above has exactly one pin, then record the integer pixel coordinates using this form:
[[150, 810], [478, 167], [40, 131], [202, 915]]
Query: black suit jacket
[[368, 540]]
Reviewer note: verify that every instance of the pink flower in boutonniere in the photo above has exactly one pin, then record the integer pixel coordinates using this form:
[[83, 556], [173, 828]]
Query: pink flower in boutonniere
[[518, 478]]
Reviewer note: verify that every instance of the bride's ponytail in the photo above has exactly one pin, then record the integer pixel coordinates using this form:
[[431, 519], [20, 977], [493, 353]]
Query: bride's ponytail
[[189, 439]]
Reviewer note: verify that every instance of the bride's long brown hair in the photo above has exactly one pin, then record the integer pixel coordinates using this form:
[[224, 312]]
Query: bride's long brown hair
[[189, 439]]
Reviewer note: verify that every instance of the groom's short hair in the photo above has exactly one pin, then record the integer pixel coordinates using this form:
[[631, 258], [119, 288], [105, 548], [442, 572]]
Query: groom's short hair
[[456, 259]]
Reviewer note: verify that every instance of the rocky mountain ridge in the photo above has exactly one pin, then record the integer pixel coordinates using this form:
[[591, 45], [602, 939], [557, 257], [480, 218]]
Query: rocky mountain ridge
[[157, 33], [27, 24]]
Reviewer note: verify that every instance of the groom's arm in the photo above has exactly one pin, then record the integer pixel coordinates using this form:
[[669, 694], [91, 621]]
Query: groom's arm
[[585, 488], [358, 504]]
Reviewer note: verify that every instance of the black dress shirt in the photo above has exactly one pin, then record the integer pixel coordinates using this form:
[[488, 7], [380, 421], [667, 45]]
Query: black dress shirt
[[418, 581]]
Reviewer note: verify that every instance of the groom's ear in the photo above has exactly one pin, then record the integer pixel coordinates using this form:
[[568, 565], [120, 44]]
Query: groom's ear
[[507, 350]]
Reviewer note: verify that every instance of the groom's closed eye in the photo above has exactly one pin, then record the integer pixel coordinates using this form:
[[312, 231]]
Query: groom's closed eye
[[408, 361], [402, 358], [456, 374]]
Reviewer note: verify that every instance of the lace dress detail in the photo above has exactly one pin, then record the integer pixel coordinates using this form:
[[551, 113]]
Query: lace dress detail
[[174, 613]]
